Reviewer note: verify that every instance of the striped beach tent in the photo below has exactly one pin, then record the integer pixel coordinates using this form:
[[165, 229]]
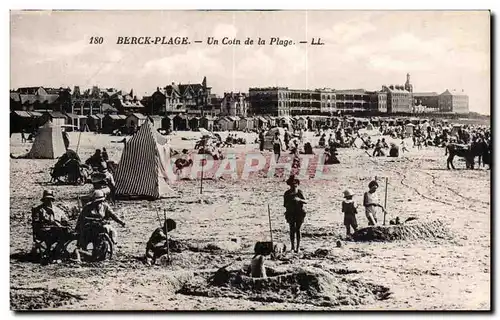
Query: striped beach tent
[[142, 170], [48, 144]]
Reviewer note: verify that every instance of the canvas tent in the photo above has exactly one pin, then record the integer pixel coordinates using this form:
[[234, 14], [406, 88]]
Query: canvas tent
[[48, 144], [142, 170]]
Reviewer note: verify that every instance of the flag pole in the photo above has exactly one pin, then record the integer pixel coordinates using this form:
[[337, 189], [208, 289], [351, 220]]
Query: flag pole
[[385, 201], [270, 226], [166, 234], [201, 181]]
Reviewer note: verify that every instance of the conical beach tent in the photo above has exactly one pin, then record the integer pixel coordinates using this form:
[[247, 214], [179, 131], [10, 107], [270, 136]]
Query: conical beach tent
[[48, 144], [142, 170]]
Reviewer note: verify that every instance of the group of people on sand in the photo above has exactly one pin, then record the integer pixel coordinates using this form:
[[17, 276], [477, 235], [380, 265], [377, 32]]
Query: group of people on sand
[[50, 226], [295, 214]]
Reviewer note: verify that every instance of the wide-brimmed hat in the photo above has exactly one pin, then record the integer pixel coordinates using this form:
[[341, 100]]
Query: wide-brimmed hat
[[348, 193], [98, 195], [291, 180], [373, 183], [48, 194]]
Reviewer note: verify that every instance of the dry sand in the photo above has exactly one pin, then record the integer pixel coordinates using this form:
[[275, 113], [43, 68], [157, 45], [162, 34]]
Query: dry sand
[[432, 274]]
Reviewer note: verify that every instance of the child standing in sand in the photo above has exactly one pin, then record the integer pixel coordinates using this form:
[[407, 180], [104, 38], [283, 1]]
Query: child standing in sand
[[294, 201], [403, 146], [349, 208]]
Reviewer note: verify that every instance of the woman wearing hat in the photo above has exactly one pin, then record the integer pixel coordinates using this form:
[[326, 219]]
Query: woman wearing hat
[[97, 209], [349, 208], [371, 203], [294, 201]]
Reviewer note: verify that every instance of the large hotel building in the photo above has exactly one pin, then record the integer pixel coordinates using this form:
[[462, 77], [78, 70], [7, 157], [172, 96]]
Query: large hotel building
[[282, 101]]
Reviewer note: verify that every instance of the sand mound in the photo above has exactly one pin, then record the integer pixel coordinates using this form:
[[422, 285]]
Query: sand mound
[[194, 260], [413, 231], [301, 285], [40, 298]]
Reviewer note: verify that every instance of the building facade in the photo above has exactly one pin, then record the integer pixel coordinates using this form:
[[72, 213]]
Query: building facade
[[274, 101], [378, 101], [352, 100], [399, 100], [304, 102], [87, 103], [281, 101], [328, 101], [234, 104], [182, 98], [454, 102], [426, 100]]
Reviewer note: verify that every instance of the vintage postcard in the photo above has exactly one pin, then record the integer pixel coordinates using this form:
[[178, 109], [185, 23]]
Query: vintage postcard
[[250, 160]]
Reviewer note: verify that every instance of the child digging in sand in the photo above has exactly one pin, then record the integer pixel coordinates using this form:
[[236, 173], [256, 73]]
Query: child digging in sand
[[155, 248], [349, 208]]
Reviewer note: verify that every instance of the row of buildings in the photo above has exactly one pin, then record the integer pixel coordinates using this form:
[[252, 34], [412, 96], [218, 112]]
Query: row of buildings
[[198, 100], [29, 121], [392, 99]]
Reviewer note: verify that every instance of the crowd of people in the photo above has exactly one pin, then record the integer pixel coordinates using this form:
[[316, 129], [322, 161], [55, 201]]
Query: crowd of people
[[50, 224]]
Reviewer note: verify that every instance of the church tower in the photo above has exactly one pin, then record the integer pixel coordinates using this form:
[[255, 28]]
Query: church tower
[[409, 88], [408, 85]]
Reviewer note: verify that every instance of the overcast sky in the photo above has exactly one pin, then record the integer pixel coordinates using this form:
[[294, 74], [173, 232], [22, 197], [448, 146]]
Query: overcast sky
[[441, 50]]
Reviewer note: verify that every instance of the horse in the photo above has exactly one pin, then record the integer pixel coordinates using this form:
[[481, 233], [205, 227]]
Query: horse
[[469, 153]]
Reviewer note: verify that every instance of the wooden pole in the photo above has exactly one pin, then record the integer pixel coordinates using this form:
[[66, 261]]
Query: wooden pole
[[385, 201], [270, 226], [201, 182], [166, 234], [78, 145], [159, 220]]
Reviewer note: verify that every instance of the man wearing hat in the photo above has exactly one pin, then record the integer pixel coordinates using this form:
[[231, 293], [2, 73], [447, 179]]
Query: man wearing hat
[[97, 209], [350, 209], [49, 222]]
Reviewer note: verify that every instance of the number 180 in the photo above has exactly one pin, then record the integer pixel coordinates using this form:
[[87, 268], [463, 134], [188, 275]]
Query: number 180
[[96, 40]]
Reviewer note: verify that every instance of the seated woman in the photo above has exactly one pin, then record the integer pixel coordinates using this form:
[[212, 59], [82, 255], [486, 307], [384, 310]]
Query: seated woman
[[308, 148], [67, 165], [95, 160], [97, 210], [394, 150], [331, 156]]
